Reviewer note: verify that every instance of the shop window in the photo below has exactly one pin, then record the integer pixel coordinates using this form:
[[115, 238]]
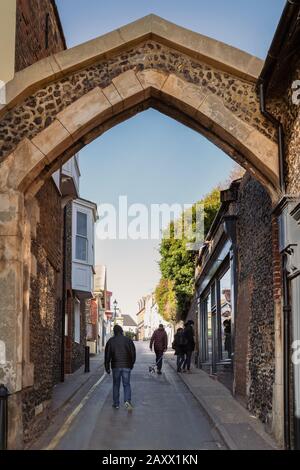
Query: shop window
[[209, 329], [225, 315]]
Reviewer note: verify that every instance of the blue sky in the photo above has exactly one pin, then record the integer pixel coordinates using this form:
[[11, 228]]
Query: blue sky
[[151, 158]]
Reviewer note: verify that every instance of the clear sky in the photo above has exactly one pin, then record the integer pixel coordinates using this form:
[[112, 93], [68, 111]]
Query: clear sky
[[151, 158]]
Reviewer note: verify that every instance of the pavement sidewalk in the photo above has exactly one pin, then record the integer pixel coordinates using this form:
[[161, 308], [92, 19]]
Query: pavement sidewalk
[[238, 429], [63, 392]]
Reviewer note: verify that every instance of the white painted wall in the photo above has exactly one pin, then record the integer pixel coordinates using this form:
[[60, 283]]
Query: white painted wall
[[56, 179], [153, 318], [82, 269], [71, 168]]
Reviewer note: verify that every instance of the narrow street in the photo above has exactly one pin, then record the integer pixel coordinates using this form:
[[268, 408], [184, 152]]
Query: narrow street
[[165, 416]]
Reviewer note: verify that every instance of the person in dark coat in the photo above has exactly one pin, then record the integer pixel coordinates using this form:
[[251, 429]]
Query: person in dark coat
[[180, 344], [160, 341], [227, 336], [120, 356], [189, 335]]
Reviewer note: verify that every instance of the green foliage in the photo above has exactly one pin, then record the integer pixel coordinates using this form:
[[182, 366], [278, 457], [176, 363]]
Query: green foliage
[[166, 299], [177, 265], [130, 334], [211, 207]]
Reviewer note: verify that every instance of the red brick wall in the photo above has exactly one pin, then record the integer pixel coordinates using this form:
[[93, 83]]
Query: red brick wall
[[277, 275], [32, 43]]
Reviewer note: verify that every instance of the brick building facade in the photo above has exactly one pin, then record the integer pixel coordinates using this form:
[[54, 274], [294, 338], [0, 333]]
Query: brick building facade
[[38, 32]]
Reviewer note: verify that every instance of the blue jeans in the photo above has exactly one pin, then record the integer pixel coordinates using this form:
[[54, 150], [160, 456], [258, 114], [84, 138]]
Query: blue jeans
[[159, 359], [180, 361], [119, 373], [188, 359]]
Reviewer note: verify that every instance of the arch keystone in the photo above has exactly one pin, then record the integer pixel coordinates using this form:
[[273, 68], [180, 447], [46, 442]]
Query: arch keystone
[[152, 79]]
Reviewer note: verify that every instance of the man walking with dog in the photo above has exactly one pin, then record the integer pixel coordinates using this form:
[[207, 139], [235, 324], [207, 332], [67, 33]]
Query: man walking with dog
[[160, 342]]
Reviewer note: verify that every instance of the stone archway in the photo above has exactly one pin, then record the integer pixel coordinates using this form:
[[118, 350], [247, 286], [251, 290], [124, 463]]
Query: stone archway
[[60, 104], [204, 83]]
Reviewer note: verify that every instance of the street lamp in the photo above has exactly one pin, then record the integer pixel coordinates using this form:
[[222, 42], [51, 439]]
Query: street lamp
[[115, 308]]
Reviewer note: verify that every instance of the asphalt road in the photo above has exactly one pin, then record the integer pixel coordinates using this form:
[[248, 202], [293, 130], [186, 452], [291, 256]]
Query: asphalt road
[[165, 416]]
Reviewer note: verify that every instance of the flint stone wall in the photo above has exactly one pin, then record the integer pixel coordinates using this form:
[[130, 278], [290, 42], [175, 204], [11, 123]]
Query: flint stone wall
[[255, 266], [45, 308]]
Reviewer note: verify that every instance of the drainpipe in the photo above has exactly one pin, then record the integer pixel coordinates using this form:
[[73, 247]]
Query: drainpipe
[[286, 352], [64, 298], [279, 127]]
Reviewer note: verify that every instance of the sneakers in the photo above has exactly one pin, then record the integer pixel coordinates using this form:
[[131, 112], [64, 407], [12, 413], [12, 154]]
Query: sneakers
[[128, 406], [159, 372], [116, 406], [183, 370]]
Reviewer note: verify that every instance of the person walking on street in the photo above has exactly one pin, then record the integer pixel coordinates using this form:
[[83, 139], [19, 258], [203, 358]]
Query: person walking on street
[[189, 335], [180, 345], [120, 356], [160, 341]]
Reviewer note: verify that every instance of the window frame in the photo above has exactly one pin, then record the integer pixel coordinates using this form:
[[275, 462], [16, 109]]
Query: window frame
[[82, 237]]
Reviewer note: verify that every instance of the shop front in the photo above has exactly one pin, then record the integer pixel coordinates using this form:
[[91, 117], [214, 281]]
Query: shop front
[[216, 289]]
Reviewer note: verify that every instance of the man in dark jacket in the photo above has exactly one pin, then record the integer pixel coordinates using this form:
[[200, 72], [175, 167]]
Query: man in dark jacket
[[120, 355], [160, 341], [180, 344], [189, 334]]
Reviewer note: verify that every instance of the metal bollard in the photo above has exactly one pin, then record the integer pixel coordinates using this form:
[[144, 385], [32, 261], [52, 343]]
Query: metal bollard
[[3, 417], [87, 359]]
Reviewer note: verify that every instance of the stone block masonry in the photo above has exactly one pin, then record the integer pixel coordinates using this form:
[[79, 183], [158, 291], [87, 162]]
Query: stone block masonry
[[38, 35]]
